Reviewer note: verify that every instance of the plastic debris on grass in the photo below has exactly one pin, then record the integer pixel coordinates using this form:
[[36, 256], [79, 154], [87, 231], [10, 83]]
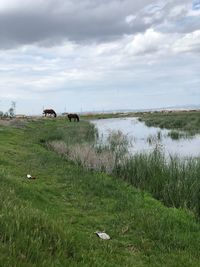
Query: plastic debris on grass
[[102, 235]]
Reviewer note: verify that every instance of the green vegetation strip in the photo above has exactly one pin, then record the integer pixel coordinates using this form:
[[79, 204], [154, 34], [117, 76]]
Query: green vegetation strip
[[180, 120], [50, 221]]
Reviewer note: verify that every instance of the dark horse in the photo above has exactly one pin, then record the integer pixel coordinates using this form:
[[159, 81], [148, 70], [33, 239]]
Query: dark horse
[[73, 116], [49, 112]]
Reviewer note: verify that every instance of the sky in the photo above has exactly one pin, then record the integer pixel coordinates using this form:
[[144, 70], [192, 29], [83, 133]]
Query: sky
[[98, 55]]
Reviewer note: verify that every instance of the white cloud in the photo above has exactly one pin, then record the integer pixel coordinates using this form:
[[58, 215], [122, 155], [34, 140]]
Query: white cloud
[[130, 19], [13, 5], [193, 13], [188, 43], [149, 42], [179, 10]]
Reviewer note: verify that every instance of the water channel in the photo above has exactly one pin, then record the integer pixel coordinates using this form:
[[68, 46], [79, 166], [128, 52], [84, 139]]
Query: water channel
[[144, 139]]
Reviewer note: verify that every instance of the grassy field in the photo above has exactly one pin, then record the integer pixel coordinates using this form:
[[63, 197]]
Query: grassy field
[[50, 221]]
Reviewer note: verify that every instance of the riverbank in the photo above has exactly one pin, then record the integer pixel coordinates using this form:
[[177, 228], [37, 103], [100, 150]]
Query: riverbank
[[169, 169], [51, 220]]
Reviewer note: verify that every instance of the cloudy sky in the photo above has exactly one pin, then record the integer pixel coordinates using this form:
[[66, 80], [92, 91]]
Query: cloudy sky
[[78, 55]]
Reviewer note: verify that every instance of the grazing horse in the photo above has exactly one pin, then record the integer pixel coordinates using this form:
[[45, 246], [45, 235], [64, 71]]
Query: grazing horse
[[73, 116], [49, 112]]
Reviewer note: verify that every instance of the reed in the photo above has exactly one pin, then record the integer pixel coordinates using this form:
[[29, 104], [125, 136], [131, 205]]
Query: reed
[[175, 135], [174, 181]]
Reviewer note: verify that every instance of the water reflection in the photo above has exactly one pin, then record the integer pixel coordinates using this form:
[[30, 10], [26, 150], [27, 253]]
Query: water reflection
[[144, 139]]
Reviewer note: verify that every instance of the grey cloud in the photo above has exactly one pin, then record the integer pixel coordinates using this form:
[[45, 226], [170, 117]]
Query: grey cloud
[[79, 21]]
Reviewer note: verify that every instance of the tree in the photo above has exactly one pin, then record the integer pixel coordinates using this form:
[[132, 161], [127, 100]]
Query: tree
[[11, 110], [5, 115]]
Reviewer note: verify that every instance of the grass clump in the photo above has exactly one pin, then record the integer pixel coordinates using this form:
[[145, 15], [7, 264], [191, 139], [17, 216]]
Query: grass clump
[[176, 135]]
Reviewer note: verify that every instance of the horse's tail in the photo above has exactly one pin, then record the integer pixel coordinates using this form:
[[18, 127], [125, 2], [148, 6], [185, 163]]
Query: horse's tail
[[55, 115], [77, 117]]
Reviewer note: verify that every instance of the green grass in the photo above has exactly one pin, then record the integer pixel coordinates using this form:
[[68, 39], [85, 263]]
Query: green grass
[[51, 221], [187, 121]]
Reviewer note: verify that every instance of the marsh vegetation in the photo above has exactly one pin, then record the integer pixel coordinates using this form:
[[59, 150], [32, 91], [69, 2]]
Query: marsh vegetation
[[188, 121], [174, 181]]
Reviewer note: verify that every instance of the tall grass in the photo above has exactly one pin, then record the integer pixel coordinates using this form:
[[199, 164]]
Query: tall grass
[[173, 181]]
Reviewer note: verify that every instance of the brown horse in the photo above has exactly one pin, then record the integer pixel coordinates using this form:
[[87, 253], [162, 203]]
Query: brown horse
[[49, 112], [73, 116]]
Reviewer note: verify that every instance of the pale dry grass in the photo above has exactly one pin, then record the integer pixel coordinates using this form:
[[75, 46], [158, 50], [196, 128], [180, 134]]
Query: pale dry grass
[[99, 157], [4, 122], [18, 122], [86, 155]]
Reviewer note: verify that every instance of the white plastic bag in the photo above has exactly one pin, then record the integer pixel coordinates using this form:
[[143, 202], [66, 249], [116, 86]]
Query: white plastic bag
[[102, 235]]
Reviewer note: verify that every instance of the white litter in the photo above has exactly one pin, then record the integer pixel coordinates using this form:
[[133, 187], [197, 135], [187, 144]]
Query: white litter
[[102, 235]]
